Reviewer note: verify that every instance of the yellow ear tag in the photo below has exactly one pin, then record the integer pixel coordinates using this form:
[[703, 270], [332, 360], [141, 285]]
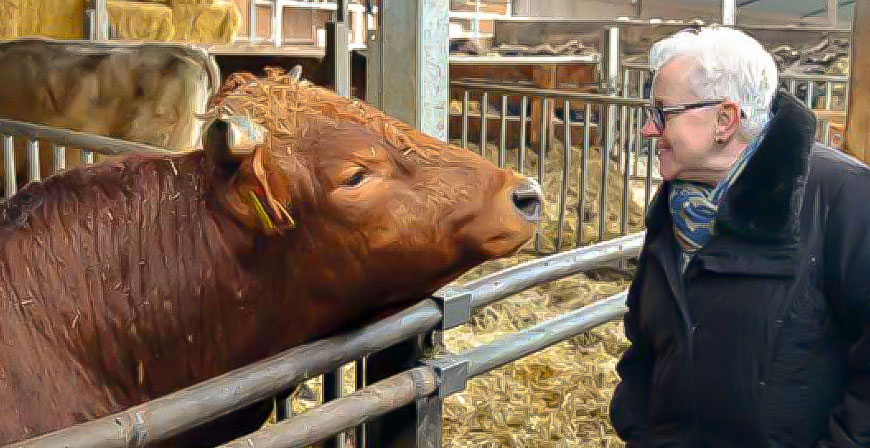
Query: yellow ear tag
[[261, 212]]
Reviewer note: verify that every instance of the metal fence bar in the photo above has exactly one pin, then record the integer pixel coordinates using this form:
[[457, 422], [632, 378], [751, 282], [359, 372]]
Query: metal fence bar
[[524, 116], [542, 156], [516, 279], [33, 160], [647, 192], [487, 357], [553, 93], [811, 92], [626, 175], [342, 414], [584, 168], [455, 370], [792, 86], [605, 169], [502, 131], [75, 139], [87, 157], [566, 170], [11, 185], [465, 95], [59, 158], [360, 430], [203, 402], [333, 383], [484, 121]]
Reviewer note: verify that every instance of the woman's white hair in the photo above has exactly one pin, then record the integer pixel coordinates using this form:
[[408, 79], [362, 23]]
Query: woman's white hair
[[731, 65]]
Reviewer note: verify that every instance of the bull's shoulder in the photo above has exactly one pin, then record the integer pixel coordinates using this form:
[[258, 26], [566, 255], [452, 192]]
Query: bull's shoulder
[[82, 190]]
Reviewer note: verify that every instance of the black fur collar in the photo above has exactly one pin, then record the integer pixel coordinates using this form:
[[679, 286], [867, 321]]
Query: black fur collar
[[764, 202]]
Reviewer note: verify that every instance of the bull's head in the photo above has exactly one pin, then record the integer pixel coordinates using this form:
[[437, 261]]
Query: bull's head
[[378, 206]]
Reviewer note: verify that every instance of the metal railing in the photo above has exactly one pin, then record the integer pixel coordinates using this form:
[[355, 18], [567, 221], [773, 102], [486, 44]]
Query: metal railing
[[426, 384], [60, 139], [621, 142]]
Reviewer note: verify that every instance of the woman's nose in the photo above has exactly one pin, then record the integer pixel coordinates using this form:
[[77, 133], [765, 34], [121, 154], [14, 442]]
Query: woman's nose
[[650, 130]]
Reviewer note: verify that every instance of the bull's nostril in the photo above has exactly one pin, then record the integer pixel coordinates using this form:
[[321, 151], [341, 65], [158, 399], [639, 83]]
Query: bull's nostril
[[529, 201]]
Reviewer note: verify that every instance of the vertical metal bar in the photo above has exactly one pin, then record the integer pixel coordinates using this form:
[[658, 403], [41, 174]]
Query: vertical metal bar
[[333, 386], [811, 92], [829, 100], [59, 158], [341, 51], [566, 169], [252, 21], [626, 183], [833, 11], [524, 117], [101, 17], [542, 157], [649, 169], [360, 431], [9, 165], [729, 12], [792, 86], [641, 79], [584, 165], [612, 58], [33, 160], [277, 23], [605, 165], [503, 132], [829, 95], [484, 121], [87, 157], [465, 95]]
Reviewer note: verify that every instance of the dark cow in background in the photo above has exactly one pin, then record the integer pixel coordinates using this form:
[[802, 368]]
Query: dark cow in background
[[305, 212], [149, 93]]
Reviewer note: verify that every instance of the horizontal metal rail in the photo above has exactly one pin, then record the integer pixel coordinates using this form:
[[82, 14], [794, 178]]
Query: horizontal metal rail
[[516, 279], [401, 389], [551, 93], [344, 413], [75, 139], [512, 347], [172, 414]]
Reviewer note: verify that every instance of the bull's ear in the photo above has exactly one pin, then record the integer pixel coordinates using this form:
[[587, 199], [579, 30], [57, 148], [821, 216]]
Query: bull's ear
[[229, 139], [237, 147]]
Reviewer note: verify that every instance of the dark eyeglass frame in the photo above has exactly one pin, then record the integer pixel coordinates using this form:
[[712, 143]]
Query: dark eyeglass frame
[[658, 114]]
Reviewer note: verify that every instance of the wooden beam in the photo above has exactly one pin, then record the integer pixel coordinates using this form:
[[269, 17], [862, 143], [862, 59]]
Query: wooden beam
[[858, 125]]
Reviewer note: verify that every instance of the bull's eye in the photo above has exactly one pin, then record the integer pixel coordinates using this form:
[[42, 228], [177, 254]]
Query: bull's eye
[[355, 179]]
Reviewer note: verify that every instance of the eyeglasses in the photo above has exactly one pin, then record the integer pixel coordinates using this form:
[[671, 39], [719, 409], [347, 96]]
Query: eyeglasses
[[658, 114]]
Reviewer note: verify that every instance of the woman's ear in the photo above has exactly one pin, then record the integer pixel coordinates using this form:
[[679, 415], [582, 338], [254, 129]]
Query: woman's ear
[[727, 121]]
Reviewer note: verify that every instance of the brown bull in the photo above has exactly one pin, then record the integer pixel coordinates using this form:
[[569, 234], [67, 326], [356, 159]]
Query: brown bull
[[148, 93], [128, 280]]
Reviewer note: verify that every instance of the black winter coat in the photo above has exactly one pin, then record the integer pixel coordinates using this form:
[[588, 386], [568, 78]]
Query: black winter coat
[[765, 340]]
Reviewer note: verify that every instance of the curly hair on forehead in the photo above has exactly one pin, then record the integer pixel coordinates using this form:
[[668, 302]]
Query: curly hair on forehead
[[286, 107]]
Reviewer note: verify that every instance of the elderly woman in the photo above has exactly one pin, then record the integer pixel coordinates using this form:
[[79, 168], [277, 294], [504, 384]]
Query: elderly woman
[[749, 316]]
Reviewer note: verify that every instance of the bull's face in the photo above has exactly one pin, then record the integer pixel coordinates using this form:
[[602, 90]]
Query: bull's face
[[393, 214]]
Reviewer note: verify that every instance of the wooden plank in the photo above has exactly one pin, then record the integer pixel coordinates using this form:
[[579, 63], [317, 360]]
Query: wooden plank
[[858, 125]]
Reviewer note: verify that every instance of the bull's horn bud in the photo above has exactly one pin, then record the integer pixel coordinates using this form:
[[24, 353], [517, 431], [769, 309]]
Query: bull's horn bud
[[296, 73]]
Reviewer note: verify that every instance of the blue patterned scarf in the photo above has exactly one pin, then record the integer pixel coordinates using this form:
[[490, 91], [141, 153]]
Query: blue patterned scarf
[[694, 206]]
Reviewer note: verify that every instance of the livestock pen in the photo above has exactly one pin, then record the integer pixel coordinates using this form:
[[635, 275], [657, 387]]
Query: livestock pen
[[598, 185]]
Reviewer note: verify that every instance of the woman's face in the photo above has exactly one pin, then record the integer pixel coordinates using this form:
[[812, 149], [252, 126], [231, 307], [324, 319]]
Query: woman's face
[[686, 146]]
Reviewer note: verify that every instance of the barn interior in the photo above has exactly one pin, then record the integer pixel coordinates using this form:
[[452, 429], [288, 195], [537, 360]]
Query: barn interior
[[508, 82]]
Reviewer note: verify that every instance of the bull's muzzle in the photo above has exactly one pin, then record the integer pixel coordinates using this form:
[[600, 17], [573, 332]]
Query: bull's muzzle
[[528, 198]]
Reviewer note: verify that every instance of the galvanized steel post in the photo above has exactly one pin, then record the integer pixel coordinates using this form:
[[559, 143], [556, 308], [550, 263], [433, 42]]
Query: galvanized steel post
[[729, 12], [413, 63], [341, 51]]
